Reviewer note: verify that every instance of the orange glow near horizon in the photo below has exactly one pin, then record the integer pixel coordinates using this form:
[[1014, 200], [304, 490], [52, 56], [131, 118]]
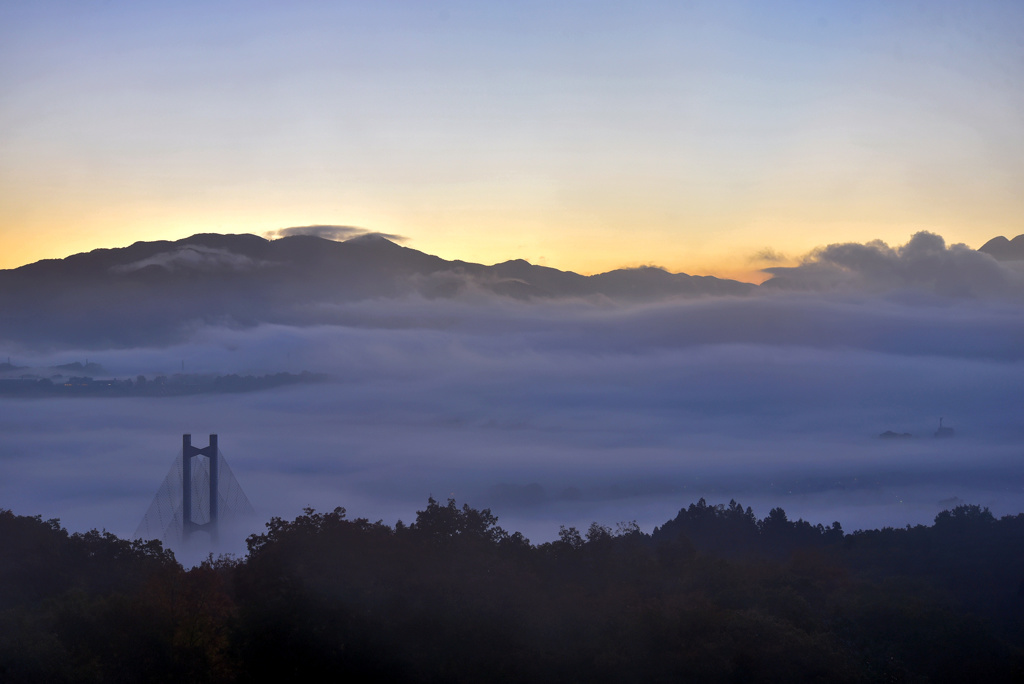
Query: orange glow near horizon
[[494, 223], [582, 138], [585, 249]]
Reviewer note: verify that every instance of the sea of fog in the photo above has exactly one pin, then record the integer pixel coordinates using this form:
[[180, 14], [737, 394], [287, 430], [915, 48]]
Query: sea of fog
[[559, 414]]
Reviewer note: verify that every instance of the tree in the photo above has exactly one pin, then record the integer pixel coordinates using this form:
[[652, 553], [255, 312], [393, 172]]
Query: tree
[[964, 516], [571, 537], [437, 522]]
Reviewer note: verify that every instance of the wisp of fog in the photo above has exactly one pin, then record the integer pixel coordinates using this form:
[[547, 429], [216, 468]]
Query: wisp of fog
[[567, 411]]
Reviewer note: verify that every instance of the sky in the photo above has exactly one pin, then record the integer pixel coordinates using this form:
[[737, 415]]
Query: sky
[[705, 137]]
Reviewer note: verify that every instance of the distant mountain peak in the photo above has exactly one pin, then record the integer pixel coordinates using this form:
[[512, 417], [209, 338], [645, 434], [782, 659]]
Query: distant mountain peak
[[153, 292], [374, 241], [647, 268], [370, 238], [1005, 250]]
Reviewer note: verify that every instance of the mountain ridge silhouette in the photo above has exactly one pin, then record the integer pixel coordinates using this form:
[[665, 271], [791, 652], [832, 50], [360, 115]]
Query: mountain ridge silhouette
[[145, 292], [1005, 250]]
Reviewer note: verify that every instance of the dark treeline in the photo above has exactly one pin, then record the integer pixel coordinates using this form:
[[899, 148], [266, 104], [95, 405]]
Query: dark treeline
[[714, 595], [178, 384]]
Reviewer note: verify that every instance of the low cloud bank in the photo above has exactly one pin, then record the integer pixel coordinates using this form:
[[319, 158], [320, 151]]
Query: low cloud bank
[[911, 299], [924, 264], [568, 411], [561, 415], [193, 258]]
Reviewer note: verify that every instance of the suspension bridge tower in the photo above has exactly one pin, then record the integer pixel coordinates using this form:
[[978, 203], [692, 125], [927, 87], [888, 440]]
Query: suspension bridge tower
[[198, 494], [189, 523]]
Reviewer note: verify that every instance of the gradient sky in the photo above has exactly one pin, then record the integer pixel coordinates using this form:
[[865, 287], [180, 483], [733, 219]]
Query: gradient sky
[[580, 135]]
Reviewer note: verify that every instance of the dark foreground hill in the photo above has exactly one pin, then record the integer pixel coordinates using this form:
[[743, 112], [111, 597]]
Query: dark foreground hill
[[151, 292], [714, 595]]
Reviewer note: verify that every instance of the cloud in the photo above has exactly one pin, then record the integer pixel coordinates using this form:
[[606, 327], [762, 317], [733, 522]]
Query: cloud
[[193, 258], [336, 233], [853, 292], [572, 410], [925, 264], [768, 255], [560, 413], [513, 411]]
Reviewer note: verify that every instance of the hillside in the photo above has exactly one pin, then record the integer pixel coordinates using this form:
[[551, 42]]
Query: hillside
[[151, 291]]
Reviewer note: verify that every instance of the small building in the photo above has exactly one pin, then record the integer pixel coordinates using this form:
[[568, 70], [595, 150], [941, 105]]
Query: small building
[[944, 431]]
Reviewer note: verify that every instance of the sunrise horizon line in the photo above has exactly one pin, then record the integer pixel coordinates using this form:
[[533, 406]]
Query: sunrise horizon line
[[753, 268]]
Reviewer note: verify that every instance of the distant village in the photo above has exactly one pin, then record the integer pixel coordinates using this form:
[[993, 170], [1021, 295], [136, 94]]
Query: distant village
[[35, 384]]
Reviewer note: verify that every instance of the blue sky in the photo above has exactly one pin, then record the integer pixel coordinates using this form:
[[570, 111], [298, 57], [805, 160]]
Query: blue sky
[[585, 136]]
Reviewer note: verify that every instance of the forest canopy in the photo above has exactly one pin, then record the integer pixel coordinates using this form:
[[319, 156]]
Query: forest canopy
[[714, 594]]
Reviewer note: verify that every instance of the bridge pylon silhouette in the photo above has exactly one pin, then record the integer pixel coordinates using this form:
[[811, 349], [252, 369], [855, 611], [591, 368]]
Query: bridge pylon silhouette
[[198, 494]]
